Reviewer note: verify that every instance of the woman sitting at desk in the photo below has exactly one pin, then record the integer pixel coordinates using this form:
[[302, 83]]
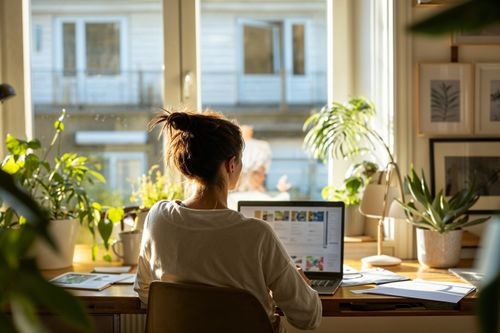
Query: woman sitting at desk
[[201, 240]]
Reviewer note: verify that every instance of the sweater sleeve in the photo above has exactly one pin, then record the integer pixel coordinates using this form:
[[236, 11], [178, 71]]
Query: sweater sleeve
[[298, 301], [144, 275]]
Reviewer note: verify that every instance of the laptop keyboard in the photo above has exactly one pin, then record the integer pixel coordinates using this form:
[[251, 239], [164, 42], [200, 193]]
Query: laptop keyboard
[[322, 283]]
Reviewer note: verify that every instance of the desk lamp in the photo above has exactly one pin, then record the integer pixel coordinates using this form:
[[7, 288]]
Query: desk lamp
[[376, 203]]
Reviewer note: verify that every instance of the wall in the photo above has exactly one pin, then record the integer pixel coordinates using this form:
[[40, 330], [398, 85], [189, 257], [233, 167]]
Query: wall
[[427, 49]]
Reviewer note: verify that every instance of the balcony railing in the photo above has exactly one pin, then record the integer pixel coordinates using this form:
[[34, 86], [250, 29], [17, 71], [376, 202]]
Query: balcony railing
[[144, 88], [80, 88]]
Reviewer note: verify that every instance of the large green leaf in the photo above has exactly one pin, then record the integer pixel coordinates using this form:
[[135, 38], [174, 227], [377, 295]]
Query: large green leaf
[[56, 299], [468, 16]]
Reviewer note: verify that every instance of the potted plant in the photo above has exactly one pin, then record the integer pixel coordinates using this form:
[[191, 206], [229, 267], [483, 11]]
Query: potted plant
[[59, 187], [343, 131], [151, 188], [351, 193], [439, 221]]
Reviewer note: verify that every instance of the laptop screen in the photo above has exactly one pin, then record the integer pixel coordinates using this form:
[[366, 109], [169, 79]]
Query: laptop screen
[[311, 231]]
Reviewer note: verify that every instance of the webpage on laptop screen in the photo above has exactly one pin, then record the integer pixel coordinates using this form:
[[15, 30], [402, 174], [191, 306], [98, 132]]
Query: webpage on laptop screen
[[312, 236]]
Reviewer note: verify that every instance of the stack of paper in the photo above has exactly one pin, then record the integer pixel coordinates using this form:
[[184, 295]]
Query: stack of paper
[[435, 291], [371, 276]]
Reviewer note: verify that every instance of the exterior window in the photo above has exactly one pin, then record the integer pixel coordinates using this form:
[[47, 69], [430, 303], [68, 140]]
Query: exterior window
[[69, 49], [298, 49], [102, 44], [259, 49]]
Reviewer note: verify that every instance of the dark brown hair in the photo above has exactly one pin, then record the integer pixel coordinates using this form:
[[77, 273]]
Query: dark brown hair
[[199, 142]]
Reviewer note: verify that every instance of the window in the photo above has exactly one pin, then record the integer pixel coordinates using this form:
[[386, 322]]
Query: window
[[92, 46], [274, 108], [260, 49], [102, 44], [110, 90], [254, 69]]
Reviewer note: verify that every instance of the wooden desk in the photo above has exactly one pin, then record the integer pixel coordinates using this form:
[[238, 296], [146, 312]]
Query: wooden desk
[[122, 299]]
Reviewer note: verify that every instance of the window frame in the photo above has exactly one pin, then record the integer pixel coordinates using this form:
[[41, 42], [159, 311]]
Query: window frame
[[183, 43]]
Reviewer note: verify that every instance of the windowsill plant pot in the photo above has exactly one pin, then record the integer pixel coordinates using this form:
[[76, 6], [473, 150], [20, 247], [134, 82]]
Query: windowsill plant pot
[[439, 220], [63, 232], [439, 250]]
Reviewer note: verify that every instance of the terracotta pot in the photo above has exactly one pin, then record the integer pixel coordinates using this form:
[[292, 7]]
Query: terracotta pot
[[63, 233], [354, 222], [439, 250]]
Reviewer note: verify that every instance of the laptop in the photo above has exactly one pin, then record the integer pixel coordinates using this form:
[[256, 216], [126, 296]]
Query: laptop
[[312, 233]]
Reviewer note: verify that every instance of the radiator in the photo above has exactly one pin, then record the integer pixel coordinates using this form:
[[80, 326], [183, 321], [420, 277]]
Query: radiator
[[132, 323]]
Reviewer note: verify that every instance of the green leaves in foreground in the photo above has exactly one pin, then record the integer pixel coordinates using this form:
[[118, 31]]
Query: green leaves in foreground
[[469, 15], [23, 289], [436, 212]]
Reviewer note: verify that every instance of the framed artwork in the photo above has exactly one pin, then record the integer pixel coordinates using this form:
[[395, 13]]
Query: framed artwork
[[489, 35], [445, 99], [487, 99], [455, 163]]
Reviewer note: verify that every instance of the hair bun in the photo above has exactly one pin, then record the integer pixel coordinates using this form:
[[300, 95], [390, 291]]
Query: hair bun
[[180, 121]]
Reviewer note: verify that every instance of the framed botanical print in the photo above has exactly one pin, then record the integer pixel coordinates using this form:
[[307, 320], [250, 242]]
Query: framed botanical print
[[445, 99], [487, 119], [457, 163]]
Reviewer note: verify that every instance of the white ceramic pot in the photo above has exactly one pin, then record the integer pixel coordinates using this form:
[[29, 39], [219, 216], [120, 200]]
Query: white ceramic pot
[[354, 222], [63, 233], [439, 250]]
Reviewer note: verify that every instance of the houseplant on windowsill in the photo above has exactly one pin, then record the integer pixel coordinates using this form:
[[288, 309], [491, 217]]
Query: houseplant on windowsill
[[59, 187], [343, 131], [151, 188], [351, 193], [439, 221]]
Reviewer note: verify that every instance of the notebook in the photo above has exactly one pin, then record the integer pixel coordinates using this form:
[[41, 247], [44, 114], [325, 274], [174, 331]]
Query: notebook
[[312, 233]]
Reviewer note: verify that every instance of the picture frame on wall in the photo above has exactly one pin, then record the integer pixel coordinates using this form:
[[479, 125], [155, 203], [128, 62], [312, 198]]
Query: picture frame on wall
[[489, 35], [445, 99], [456, 163], [487, 120]]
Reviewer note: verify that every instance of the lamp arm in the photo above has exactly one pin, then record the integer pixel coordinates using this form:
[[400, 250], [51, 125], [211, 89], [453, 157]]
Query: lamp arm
[[395, 166]]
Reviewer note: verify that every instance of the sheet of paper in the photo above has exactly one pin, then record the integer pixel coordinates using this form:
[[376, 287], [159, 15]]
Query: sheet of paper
[[112, 269], [128, 278], [429, 290], [371, 275]]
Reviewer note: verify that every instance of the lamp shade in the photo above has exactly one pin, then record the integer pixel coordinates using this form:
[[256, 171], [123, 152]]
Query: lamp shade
[[372, 204]]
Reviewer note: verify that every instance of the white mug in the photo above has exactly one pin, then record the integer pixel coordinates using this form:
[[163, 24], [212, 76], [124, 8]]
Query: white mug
[[127, 248]]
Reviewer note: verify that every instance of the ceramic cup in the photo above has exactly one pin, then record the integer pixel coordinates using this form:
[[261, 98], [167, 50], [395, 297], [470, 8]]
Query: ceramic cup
[[128, 246]]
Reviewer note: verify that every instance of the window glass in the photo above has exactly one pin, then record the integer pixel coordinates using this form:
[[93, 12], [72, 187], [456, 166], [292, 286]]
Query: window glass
[[103, 63], [102, 44], [298, 49], [253, 69], [259, 53], [69, 49]]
